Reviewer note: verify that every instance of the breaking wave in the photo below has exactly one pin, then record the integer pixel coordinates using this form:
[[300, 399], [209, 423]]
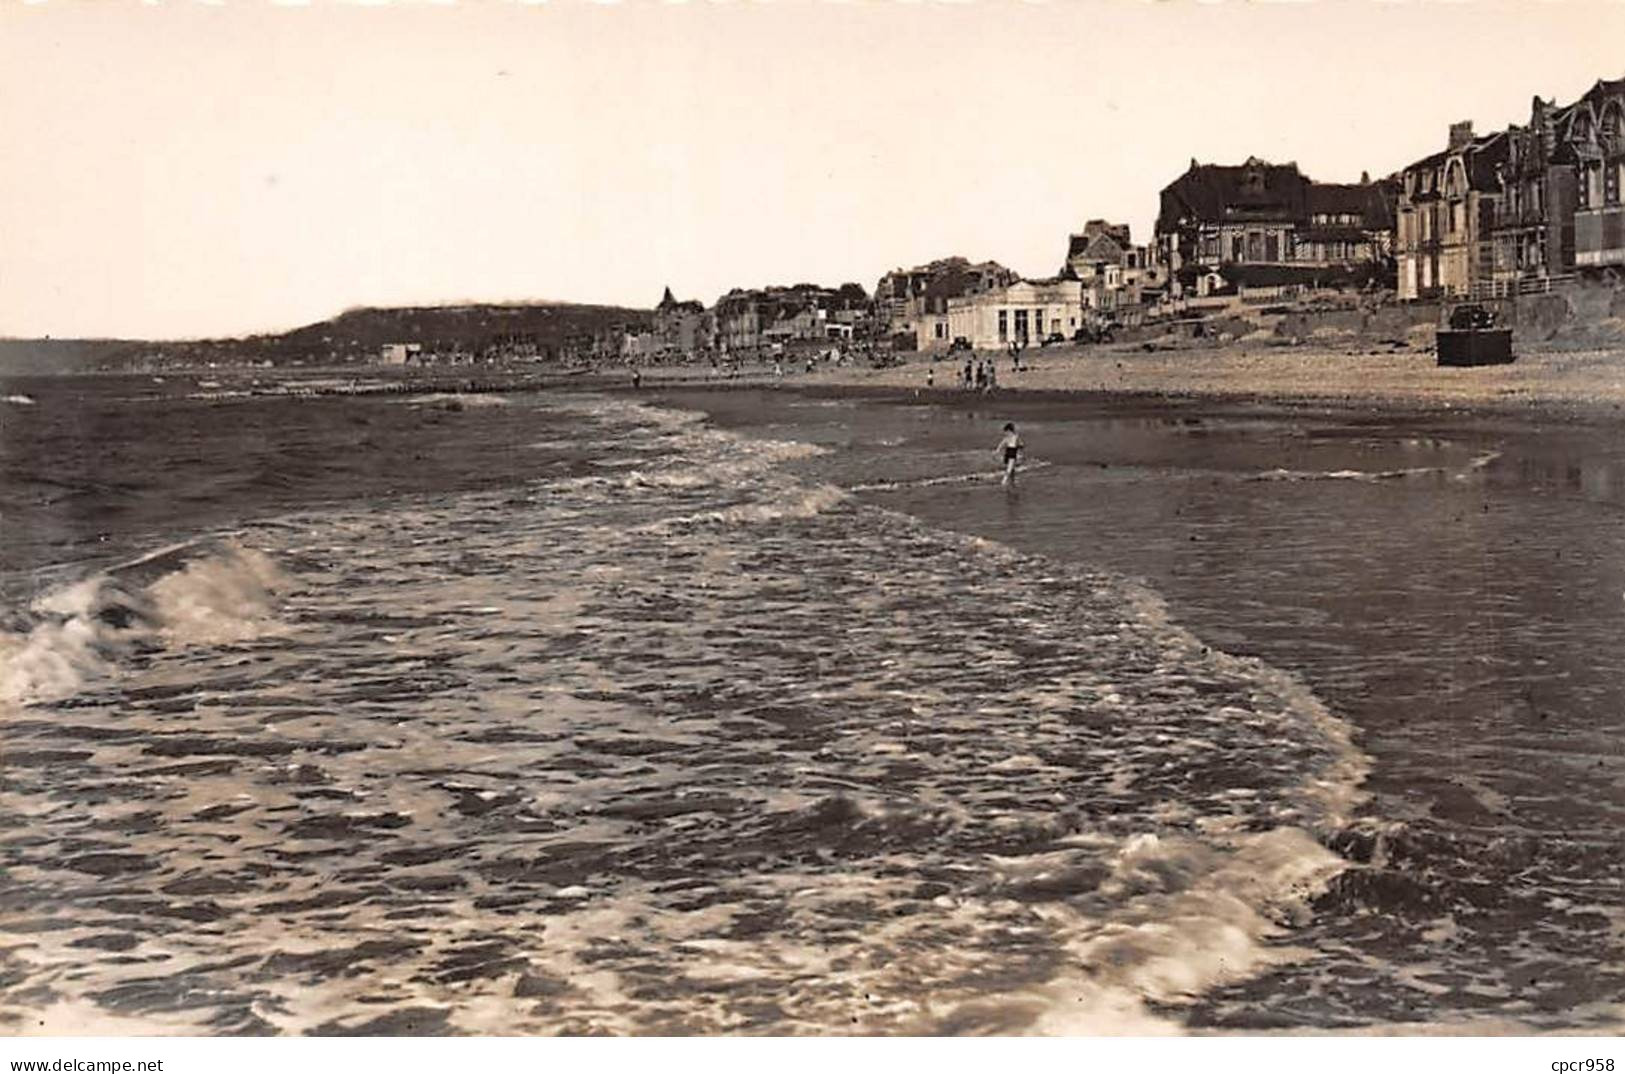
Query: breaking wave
[[694, 747], [178, 597], [991, 475], [457, 400], [1346, 475]]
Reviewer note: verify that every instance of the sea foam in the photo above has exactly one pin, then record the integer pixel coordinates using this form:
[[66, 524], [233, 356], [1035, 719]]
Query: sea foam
[[222, 595]]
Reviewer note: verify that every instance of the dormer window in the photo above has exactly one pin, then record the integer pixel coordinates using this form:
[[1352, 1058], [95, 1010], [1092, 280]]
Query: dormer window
[[1612, 134]]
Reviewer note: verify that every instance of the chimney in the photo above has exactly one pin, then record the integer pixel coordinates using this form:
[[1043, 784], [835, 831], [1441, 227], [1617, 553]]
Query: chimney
[[1542, 122], [1461, 135], [1365, 178]]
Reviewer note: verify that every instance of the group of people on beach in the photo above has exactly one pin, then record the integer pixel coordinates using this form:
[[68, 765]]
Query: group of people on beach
[[979, 374], [982, 376]]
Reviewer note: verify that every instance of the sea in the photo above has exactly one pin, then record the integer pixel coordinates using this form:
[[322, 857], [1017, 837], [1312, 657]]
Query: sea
[[762, 711]]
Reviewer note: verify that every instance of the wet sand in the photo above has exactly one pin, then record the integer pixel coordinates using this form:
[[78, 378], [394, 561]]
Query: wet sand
[[1447, 582]]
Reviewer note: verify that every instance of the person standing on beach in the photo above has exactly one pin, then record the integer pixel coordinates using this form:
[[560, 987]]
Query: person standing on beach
[[967, 375], [992, 375], [931, 376], [1011, 449]]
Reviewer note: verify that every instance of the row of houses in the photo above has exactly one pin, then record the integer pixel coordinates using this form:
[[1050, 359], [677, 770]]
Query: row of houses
[[742, 322], [988, 306], [749, 319], [1514, 210], [1256, 228], [1505, 213], [1486, 215], [504, 347], [1221, 228]]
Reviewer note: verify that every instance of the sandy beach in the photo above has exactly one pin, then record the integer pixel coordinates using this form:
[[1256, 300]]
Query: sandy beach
[[1581, 383]]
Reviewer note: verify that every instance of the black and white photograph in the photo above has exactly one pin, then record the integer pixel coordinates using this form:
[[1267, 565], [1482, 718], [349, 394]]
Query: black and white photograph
[[875, 519]]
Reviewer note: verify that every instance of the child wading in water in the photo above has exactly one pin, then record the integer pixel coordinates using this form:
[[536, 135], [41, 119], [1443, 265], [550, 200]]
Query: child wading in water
[[1011, 449]]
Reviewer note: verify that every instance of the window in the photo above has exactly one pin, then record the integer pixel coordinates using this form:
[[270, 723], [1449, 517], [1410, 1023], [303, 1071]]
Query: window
[[1004, 326], [1610, 182], [1021, 325], [942, 330]]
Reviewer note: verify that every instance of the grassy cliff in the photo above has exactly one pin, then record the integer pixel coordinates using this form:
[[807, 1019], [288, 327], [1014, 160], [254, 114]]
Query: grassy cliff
[[354, 335]]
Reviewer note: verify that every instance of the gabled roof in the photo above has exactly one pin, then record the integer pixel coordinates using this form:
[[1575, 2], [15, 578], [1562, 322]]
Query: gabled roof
[[1260, 191], [1483, 157], [943, 278], [1432, 160], [1373, 201], [1591, 104], [1337, 198], [1480, 157], [1100, 246], [1118, 233], [1599, 93], [1256, 189]]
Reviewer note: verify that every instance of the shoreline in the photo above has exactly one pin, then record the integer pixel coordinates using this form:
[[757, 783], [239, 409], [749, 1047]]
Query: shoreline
[[1568, 385], [1555, 383]]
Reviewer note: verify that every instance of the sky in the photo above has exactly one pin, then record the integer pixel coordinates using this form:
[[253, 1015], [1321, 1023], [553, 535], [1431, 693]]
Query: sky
[[187, 169]]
